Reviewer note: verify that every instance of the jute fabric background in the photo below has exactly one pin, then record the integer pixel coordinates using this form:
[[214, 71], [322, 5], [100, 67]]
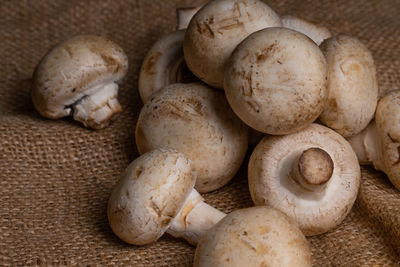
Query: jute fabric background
[[56, 176]]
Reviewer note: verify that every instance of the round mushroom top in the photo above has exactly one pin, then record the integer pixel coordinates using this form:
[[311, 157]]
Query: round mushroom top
[[316, 32], [318, 207], [73, 70], [387, 121], [197, 121], [275, 81], [352, 84], [257, 236], [149, 195], [164, 65], [216, 29]]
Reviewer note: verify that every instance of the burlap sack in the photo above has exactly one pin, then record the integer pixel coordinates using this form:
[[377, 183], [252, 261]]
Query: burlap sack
[[56, 176]]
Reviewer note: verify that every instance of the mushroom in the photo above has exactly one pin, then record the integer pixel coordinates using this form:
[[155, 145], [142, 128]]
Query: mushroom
[[379, 143], [352, 84], [80, 77], [312, 176], [184, 15], [316, 32], [257, 236], [164, 65], [197, 121], [155, 195], [266, 87], [217, 29]]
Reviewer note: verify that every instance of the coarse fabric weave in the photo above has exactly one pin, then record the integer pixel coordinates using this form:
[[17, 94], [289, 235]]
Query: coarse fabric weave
[[56, 176]]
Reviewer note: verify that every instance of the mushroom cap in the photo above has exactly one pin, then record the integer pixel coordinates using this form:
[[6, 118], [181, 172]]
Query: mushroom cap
[[266, 87], [73, 70], [197, 121], [352, 84], [387, 119], [316, 32], [215, 31], [257, 236], [149, 195], [163, 65], [271, 184]]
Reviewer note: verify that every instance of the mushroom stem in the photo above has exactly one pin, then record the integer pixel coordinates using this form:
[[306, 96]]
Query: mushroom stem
[[96, 110], [366, 147], [194, 219], [313, 169]]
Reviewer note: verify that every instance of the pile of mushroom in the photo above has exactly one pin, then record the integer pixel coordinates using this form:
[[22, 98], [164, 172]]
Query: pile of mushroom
[[279, 75]]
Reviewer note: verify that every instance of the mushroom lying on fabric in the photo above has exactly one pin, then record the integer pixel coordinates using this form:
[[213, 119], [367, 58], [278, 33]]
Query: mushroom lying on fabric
[[275, 81], [352, 84], [379, 143], [155, 195], [164, 65], [80, 77], [197, 121], [312, 176], [217, 29], [317, 33], [257, 236]]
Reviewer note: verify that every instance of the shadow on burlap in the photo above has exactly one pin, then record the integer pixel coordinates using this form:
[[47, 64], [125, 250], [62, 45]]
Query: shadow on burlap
[[56, 176]]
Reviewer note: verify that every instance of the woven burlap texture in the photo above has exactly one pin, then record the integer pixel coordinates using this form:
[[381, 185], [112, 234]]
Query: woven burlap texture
[[56, 176]]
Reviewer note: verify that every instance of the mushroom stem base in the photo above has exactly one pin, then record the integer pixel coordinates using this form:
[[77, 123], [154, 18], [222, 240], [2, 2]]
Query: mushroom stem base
[[195, 218], [96, 110]]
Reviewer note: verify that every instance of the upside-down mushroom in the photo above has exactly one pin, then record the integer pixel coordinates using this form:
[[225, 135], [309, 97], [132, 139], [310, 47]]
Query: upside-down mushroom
[[312, 176]]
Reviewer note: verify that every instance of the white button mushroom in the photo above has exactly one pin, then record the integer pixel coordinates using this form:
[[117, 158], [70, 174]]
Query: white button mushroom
[[217, 29], [312, 176], [155, 194], [379, 143], [275, 81], [197, 121], [79, 77], [352, 84], [258, 236], [164, 65], [316, 32]]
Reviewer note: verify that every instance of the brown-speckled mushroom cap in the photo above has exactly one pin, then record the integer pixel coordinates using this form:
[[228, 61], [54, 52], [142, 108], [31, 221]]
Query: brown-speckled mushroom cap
[[317, 204], [257, 236], [387, 119], [217, 29], [79, 77], [275, 81], [197, 121], [352, 84], [149, 195]]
